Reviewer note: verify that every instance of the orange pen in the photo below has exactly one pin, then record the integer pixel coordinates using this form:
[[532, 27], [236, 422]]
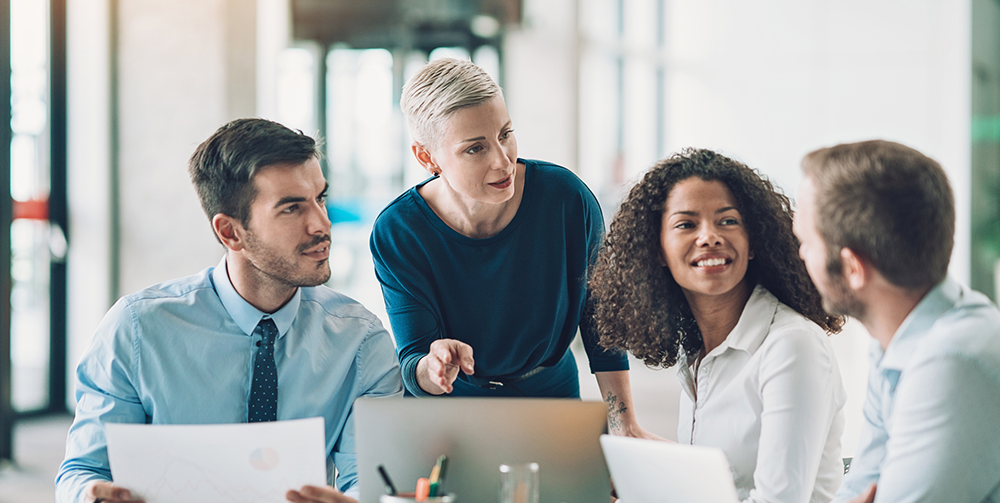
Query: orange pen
[[423, 488]]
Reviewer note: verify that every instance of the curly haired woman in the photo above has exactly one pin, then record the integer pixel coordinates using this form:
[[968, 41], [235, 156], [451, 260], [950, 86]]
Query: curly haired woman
[[700, 269]]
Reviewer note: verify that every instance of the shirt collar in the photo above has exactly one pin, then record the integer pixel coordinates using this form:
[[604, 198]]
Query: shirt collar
[[754, 324], [918, 323], [748, 334], [245, 315]]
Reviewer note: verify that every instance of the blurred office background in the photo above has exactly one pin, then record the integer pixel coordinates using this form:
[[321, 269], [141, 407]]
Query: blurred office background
[[110, 97]]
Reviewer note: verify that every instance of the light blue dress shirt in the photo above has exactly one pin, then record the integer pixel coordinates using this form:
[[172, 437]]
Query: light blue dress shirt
[[931, 427], [182, 352]]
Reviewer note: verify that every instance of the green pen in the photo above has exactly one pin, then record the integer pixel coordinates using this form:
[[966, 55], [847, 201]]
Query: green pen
[[437, 475]]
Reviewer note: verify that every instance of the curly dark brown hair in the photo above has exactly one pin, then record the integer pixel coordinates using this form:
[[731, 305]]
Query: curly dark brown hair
[[635, 303]]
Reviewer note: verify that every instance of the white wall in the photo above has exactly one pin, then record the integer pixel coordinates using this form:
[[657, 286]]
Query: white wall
[[540, 82], [173, 93], [770, 81]]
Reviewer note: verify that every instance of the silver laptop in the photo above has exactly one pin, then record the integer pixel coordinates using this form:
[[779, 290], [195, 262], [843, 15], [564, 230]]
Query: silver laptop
[[407, 435], [648, 471]]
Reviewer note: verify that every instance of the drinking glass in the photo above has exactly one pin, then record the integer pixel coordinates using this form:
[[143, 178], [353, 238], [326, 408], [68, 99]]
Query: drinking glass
[[519, 483]]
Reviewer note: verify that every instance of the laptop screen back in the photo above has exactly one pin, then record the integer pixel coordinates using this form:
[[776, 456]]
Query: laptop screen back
[[647, 471], [407, 435]]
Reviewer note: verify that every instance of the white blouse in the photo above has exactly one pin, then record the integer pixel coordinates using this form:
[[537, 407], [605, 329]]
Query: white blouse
[[770, 396]]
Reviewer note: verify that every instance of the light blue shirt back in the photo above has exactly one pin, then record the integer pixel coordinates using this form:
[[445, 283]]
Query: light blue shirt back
[[182, 352], [931, 427]]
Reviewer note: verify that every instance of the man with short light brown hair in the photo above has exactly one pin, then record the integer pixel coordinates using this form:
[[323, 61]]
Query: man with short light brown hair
[[876, 221]]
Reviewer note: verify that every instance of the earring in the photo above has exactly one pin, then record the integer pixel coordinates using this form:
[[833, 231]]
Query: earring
[[435, 171]]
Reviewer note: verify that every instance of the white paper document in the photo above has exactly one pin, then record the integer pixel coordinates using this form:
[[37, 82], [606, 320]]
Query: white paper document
[[247, 463]]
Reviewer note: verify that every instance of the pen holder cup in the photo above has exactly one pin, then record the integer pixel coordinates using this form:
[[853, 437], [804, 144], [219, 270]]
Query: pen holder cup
[[411, 498]]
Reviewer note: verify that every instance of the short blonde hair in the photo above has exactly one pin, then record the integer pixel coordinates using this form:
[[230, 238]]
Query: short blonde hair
[[438, 90]]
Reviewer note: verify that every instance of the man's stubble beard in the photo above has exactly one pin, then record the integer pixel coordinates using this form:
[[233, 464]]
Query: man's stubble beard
[[284, 270]]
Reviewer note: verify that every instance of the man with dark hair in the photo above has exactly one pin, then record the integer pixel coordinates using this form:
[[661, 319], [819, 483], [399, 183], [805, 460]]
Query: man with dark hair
[[256, 338], [876, 221]]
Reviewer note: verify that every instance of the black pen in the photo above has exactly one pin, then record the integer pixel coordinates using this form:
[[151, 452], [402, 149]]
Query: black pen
[[387, 480]]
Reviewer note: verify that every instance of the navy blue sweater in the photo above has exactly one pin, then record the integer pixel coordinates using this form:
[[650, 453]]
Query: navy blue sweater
[[517, 297]]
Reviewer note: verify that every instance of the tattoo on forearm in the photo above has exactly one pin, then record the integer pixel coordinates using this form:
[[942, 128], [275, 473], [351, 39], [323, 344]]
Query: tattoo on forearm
[[615, 410]]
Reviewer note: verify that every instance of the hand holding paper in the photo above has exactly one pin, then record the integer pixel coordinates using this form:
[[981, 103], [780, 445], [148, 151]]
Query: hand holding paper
[[312, 494], [106, 492]]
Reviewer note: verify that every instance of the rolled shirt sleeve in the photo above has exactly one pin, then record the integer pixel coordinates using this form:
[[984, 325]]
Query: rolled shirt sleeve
[[379, 377], [104, 394]]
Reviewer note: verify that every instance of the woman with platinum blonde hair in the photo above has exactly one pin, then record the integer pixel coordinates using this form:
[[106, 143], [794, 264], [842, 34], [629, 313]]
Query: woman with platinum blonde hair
[[700, 269], [483, 265]]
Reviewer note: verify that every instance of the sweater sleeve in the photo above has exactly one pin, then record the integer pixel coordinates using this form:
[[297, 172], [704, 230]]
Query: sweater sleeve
[[414, 324]]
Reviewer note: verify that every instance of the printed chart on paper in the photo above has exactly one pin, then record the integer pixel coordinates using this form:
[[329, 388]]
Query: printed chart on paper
[[246, 463]]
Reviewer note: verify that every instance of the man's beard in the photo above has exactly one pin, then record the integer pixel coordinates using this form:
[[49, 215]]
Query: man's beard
[[838, 299], [285, 270]]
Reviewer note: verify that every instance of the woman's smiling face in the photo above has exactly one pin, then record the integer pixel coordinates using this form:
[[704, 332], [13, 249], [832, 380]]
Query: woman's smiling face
[[703, 240]]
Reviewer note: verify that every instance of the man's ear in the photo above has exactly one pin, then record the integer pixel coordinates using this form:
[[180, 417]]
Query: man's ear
[[423, 156], [229, 230], [855, 269]]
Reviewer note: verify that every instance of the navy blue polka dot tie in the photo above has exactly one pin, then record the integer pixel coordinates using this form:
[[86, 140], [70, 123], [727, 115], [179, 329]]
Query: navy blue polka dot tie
[[264, 388]]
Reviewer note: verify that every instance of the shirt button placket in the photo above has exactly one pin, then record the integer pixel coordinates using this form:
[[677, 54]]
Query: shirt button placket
[[702, 387]]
